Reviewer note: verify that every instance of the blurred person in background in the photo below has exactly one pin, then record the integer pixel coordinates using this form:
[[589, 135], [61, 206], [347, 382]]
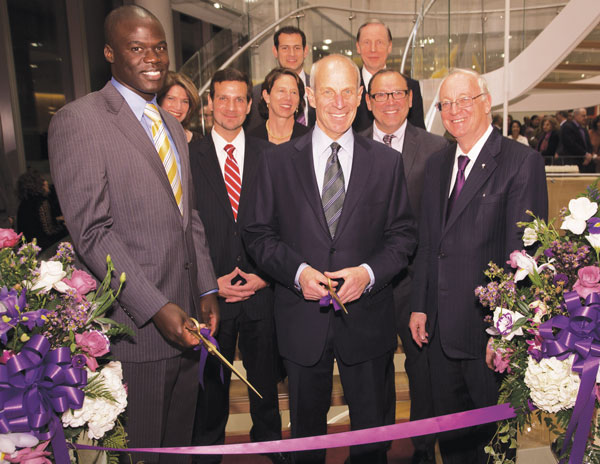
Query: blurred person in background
[[179, 96], [549, 140], [282, 99], [594, 132], [35, 217], [515, 133]]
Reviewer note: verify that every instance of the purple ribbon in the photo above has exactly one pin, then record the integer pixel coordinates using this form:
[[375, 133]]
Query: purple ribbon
[[356, 437], [578, 334], [204, 355], [36, 385], [327, 300]]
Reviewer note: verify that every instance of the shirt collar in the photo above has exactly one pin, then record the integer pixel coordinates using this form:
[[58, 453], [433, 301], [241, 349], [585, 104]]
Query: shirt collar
[[135, 102], [322, 142], [238, 142], [476, 149], [302, 76], [399, 133]]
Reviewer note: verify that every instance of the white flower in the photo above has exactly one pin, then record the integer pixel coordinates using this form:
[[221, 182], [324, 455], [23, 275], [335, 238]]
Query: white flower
[[553, 384], [594, 240], [539, 309], [98, 413], [581, 210], [504, 320], [9, 442], [526, 265], [51, 272], [529, 236]]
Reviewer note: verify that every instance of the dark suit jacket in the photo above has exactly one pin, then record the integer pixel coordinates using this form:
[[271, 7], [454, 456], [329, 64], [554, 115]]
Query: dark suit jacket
[[506, 180], [289, 228], [223, 233], [255, 119], [364, 118], [117, 201], [574, 146]]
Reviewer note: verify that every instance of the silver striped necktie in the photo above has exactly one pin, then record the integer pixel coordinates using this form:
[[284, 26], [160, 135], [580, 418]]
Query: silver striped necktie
[[333, 189]]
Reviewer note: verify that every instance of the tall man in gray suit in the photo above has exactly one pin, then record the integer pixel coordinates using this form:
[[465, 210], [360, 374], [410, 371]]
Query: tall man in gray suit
[[389, 99], [476, 193], [122, 173]]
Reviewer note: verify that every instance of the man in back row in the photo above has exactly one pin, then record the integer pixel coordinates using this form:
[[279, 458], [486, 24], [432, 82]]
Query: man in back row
[[290, 50], [374, 44], [390, 99]]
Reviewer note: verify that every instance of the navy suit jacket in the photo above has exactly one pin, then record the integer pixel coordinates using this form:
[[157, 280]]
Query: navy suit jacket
[[289, 228], [507, 179], [223, 233]]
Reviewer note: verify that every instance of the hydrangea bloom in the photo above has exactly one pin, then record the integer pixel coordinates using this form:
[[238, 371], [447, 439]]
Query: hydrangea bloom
[[553, 384]]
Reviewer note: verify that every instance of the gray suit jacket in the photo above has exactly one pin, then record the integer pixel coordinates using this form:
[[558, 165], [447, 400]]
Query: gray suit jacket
[[117, 201]]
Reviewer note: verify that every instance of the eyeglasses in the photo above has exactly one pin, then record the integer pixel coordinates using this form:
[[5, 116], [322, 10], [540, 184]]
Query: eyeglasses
[[462, 102], [381, 97]]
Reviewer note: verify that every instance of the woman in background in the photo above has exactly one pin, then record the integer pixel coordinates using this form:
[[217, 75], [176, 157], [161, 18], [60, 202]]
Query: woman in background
[[548, 142], [515, 133], [281, 101], [179, 96], [35, 217]]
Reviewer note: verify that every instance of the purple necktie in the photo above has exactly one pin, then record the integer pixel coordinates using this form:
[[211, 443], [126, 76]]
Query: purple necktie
[[387, 139], [460, 182], [301, 119]]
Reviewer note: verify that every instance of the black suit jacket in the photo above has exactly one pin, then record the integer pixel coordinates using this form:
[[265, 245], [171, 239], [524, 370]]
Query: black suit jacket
[[507, 179], [574, 146], [261, 131], [364, 118], [222, 232], [289, 228], [255, 119]]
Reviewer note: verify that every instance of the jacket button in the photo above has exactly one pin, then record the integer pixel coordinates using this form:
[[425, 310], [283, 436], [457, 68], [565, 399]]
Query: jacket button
[[332, 251], [186, 266], [235, 234], [441, 255], [238, 259]]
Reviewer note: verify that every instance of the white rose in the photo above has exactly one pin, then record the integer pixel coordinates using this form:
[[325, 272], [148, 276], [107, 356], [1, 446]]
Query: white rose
[[504, 320], [581, 210], [553, 384], [529, 236], [51, 272]]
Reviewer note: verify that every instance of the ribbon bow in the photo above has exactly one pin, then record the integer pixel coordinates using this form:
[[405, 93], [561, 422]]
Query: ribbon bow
[[332, 297], [204, 355], [578, 334], [36, 385]]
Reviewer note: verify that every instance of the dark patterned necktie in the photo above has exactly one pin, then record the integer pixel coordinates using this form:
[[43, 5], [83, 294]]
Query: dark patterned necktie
[[463, 161], [333, 189], [387, 139]]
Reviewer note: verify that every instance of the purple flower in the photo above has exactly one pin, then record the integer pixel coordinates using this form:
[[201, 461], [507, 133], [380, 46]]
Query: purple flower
[[79, 360], [558, 278], [594, 225], [10, 305], [34, 318], [548, 253]]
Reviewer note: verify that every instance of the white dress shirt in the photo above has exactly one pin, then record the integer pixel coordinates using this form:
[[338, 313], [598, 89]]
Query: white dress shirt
[[397, 141]]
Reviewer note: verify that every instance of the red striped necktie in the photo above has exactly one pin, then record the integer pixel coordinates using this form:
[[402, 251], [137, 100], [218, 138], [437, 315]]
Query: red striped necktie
[[233, 180]]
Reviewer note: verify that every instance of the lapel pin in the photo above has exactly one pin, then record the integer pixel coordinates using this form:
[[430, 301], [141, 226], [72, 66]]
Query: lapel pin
[[482, 165]]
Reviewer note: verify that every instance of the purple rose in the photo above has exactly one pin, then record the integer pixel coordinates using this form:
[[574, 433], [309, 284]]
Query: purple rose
[[79, 360], [594, 225], [82, 282], [94, 343], [589, 276], [8, 238]]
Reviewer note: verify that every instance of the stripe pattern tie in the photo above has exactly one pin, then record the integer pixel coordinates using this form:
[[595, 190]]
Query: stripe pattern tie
[[233, 179], [333, 189], [387, 139], [163, 147]]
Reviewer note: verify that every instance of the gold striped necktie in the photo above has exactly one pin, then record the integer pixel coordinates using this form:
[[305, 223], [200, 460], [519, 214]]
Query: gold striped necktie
[[167, 156]]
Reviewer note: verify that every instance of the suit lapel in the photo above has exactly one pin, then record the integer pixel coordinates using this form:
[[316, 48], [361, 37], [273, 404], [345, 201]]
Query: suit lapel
[[484, 166], [210, 168], [302, 160], [409, 149], [250, 166], [445, 176], [361, 168]]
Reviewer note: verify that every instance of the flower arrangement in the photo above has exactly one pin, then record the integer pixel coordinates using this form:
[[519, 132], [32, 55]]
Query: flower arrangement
[[545, 328], [56, 378]]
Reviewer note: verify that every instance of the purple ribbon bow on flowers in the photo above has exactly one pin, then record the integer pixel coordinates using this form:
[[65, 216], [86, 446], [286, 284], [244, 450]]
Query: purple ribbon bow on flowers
[[36, 385], [204, 355], [578, 334]]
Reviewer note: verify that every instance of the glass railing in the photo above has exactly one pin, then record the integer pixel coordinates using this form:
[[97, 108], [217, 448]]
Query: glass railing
[[430, 36]]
